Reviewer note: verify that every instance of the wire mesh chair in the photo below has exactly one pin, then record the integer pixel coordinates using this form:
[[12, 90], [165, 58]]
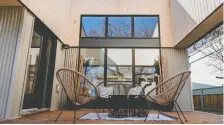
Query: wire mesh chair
[[78, 88], [167, 92]]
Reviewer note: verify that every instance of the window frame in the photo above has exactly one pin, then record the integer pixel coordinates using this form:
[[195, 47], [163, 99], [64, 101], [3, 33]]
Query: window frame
[[133, 65], [106, 26]]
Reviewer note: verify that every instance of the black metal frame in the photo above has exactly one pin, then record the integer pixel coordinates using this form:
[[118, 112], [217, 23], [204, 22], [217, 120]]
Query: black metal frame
[[106, 26], [74, 105]]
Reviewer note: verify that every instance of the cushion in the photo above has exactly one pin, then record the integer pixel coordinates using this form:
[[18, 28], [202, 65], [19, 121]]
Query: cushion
[[104, 92], [136, 91]]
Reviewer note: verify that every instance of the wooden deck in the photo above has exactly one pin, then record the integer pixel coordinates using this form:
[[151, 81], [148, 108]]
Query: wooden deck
[[67, 117]]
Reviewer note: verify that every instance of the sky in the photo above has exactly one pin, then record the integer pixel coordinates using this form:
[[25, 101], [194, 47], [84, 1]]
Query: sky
[[202, 73]]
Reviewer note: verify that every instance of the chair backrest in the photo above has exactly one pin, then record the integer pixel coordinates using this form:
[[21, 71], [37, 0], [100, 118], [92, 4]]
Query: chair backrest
[[74, 83], [170, 89]]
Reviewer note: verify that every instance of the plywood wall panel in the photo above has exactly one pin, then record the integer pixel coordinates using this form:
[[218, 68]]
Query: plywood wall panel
[[17, 84], [10, 20], [63, 16], [56, 99], [176, 62]]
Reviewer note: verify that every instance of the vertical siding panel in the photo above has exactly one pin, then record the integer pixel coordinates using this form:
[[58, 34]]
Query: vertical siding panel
[[10, 18], [14, 103], [71, 62], [57, 98], [177, 61]]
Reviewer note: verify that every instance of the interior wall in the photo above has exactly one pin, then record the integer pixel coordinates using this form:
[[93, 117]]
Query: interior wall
[[57, 88], [17, 84], [67, 27]]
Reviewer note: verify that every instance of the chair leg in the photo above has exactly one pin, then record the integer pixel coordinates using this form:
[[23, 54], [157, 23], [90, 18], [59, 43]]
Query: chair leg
[[158, 114], [59, 115], [178, 114], [97, 113], [181, 111], [147, 115], [74, 120]]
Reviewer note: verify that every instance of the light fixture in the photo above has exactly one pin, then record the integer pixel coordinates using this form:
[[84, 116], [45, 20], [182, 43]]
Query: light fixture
[[65, 46]]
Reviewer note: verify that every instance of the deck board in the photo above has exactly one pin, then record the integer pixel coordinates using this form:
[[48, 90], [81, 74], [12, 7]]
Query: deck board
[[67, 117]]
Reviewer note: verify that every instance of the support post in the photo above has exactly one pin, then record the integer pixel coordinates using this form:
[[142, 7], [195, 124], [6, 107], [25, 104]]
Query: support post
[[202, 100]]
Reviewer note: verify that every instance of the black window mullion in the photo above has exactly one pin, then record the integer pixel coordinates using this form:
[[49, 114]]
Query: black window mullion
[[105, 67], [132, 26], [133, 66], [106, 26]]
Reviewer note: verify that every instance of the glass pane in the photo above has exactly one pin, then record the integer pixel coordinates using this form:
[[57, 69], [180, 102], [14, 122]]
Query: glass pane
[[119, 27], [36, 40], [119, 73], [120, 88], [94, 74], [33, 63], [147, 57], [119, 57], [147, 77], [93, 27], [93, 64], [146, 27]]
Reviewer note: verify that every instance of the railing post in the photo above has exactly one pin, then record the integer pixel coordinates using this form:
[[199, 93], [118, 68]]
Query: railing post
[[202, 100]]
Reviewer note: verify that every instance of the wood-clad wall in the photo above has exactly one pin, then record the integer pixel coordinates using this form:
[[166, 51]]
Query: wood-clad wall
[[176, 61], [16, 92], [67, 27], [10, 22], [56, 98]]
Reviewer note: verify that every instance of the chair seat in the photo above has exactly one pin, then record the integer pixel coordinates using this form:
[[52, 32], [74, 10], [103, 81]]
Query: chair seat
[[83, 99], [158, 99]]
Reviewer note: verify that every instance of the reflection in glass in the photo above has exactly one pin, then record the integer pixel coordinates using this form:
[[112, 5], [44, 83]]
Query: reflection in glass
[[119, 65], [93, 64], [93, 27], [146, 27], [147, 57], [145, 74], [119, 57], [119, 27], [118, 73], [120, 88], [33, 63]]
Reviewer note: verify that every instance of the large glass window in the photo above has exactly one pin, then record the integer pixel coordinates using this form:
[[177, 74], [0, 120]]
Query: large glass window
[[146, 27], [93, 27], [119, 27]]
